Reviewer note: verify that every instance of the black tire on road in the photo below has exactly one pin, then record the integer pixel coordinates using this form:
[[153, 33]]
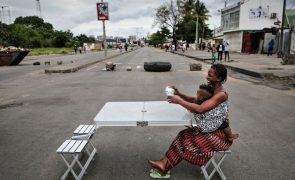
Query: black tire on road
[[157, 66], [36, 63]]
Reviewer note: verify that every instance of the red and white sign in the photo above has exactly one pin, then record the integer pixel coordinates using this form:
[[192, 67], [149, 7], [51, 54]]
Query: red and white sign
[[102, 11]]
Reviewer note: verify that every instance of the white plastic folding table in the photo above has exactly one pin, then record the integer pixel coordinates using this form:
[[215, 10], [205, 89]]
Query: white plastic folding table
[[142, 113], [152, 113]]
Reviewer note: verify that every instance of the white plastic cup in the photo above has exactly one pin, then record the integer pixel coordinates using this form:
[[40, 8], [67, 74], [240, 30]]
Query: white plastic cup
[[169, 91]]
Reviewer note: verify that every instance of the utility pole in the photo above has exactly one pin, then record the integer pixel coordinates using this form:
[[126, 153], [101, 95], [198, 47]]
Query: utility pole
[[282, 29], [104, 37], [197, 32]]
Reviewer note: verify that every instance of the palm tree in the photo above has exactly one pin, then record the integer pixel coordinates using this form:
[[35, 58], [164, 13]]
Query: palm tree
[[193, 12]]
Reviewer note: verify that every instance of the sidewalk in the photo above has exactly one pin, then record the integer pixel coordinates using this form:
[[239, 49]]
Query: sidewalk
[[255, 65]]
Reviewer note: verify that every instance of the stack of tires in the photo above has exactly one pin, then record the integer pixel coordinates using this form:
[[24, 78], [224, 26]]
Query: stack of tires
[[157, 66]]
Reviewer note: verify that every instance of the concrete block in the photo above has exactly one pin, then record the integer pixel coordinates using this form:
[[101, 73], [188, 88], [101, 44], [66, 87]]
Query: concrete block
[[195, 67]]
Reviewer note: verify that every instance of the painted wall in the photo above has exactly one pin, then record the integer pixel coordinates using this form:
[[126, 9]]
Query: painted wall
[[267, 39], [255, 14], [292, 47], [235, 40]]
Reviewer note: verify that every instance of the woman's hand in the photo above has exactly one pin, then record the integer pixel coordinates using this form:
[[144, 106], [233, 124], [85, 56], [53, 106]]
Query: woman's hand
[[175, 89], [174, 99]]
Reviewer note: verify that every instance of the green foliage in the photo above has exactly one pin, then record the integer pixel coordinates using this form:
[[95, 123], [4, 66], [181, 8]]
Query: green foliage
[[160, 36], [169, 15], [182, 17], [5, 31], [60, 39], [33, 22], [155, 39], [191, 11], [33, 32], [40, 51], [82, 38]]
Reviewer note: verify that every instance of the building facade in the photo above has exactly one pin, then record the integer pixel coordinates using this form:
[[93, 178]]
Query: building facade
[[250, 24]]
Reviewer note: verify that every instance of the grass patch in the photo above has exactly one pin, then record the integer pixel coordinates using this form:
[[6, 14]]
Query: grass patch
[[44, 51]]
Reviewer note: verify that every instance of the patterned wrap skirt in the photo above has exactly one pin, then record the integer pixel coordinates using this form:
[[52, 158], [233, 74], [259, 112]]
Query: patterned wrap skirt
[[195, 147]]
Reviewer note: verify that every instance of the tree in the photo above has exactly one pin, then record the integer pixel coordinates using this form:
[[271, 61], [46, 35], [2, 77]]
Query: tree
[[160, 36], [23, 36], [156, 39], [165, 32], [192, 10], [41, 34], [6, 32], [33, 22], [168, 15], [60, 39], [32, 31]]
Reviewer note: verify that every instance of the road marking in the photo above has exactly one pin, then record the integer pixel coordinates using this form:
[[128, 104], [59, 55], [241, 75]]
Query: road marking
[[91, 68], [25, 95]]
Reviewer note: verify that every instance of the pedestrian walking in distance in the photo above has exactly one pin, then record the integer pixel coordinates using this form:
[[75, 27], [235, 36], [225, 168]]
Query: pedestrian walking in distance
[[213, 54], [126, 46], [270, 47], [220, 49], [75, 49], [226, 51], [80, 49], [183, 47]]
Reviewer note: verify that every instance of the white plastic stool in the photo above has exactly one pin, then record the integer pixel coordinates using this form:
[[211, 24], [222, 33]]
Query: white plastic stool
[[73, 149], [216, 160]]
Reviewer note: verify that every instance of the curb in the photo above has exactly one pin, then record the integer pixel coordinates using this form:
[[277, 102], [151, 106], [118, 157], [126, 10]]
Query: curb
[[77, 68], [240, 70]]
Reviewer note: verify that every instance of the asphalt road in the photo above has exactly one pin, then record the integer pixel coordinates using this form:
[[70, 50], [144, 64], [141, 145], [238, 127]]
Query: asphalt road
[[39, 111], [26, 66]]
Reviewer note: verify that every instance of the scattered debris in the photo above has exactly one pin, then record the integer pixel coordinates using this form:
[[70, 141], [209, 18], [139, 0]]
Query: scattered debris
[[47, 63], [128, 68], [110, 66], [36, 63], [157, 66], [11, 105], [195, 67]]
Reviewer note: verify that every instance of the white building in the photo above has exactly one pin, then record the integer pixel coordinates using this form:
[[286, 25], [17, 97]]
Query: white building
[[132, 38], [250, 24]]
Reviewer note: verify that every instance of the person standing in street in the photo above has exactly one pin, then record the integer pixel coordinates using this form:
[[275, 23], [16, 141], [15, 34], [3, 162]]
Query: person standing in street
[[75, 48], [126, 46], [209, 46], [213, 53], [226, 51], [173, 48], [84, 49], [183, 47], [270, 47], [220, 49], [80, 49]]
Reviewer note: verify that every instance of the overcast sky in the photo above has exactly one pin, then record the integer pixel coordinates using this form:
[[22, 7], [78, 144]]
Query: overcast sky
[[127, 17]]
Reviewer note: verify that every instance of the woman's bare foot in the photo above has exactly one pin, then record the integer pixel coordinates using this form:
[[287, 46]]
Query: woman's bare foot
[[233, 136], [158, 165]]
